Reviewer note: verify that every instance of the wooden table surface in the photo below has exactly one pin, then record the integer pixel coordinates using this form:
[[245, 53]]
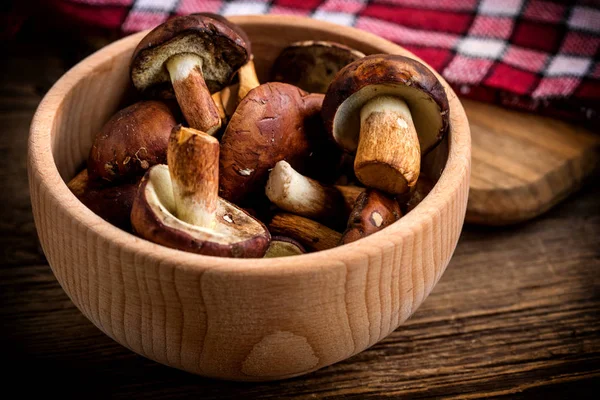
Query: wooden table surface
[[516, 315]]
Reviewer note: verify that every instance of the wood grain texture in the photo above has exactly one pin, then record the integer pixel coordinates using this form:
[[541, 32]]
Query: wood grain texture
[[515, 316], [237, 319], [524, 164]]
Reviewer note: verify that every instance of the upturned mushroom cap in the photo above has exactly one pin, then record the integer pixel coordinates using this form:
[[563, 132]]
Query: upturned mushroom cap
[[236, 233], [112, 204], [390, 75], [132, 141], [372, 212], [222, 50], [273, 122], [311, 65]]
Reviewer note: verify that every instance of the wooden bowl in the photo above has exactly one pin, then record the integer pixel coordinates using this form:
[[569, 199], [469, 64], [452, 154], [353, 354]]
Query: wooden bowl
[[240, 319]]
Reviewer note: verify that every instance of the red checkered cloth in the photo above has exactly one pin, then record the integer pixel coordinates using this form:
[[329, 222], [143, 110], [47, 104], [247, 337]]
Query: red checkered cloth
[[536, 55]]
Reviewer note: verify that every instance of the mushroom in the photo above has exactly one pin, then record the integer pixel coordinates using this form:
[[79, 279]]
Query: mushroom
[[248, 80], [410, 200], [178, 206], [298, 194], [272, 123], [218, 99], [133, 140], [231, 96], [197, 54], [372, 212], [311, 65], [311, 234], [282, 246], [112, 203], [388, 109]]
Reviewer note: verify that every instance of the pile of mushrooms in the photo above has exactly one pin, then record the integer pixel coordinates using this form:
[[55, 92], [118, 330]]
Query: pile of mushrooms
[[213, 162]]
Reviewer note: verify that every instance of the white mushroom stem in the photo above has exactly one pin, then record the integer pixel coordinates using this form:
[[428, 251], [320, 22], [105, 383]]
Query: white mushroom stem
[[193, 159], [388, 156], [248, 79], [193, 96], [298, 194]]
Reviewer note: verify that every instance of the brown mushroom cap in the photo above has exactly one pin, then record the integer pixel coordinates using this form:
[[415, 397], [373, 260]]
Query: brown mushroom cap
[[112, 203], [372, 212], [132, 141], [236, 233], [222, 49], [282, 246], [233, 26], [311, 65], [272, 123], [389, 75]]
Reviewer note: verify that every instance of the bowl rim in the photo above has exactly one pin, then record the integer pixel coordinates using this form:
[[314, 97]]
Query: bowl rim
[[41, 162]]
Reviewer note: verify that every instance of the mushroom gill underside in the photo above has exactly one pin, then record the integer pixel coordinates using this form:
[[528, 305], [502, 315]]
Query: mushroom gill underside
[[232, 227], [427, 116]]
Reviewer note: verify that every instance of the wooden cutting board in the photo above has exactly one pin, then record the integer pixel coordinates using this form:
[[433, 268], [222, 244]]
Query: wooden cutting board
[[522, 164]]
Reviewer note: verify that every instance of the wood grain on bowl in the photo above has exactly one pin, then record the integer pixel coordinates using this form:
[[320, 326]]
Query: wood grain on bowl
[[258, 319]]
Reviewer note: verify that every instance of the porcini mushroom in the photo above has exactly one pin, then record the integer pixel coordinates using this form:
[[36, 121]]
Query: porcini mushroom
[[111, 203], [389, 110], [309, 233], [282, 246], [272, 123], [178, 206], [133, 140], [197, 54], [312, 64], [298, 194], [372, 212]]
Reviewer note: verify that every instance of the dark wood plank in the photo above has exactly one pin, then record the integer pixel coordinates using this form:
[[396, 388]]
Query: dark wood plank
[[516, 315]]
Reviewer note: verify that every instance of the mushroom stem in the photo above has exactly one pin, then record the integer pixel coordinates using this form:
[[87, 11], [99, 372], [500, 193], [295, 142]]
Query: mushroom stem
[[248, 79], [388, 156], [193, 159], [218, 99], [229, 100], [295, 193], [231, 95], [309, 233], [193, 96]]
